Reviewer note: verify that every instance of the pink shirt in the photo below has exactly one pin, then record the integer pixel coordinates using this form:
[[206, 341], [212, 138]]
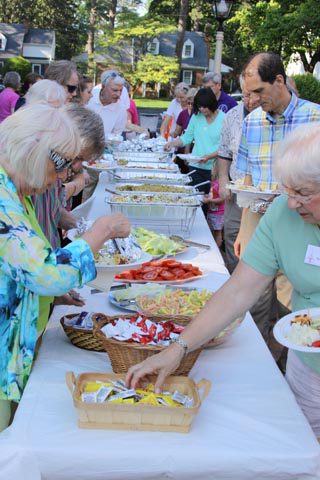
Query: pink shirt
[[134, 112], [8, 100], [219, 210]]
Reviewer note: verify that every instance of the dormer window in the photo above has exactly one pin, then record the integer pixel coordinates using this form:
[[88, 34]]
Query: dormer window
[[3, 42], [188, 49], [153, 47]]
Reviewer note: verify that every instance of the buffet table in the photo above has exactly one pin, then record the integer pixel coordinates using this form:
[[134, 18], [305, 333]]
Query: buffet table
[[249, 427]]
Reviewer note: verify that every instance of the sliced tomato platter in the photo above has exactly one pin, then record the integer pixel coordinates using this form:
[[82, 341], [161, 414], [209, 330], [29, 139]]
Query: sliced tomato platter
[[161, 271]]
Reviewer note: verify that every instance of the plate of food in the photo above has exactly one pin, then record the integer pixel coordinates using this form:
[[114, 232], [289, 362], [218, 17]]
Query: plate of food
[[100, 165], [168, 271], [125, 296], [113, 260], [300, 330], [247, 195], [157, 244], [118, 254]]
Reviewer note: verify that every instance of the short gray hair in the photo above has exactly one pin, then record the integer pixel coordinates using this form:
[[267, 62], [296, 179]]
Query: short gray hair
[[192, 93], [61, 71], [12, 80], [181, 87], [297, 157], [90, 128], [27, 137], [48, 92], [114, 75], [211, 77]]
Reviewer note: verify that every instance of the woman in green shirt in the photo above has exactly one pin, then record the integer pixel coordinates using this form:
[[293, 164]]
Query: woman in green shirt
[[289, 228], [204, 130]]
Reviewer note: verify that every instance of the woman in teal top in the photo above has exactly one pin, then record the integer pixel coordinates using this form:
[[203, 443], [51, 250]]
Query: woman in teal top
[[204, 130], [37, 145], [288, 239]]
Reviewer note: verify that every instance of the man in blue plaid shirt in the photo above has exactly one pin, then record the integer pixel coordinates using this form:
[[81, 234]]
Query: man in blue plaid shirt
[[280, 112]]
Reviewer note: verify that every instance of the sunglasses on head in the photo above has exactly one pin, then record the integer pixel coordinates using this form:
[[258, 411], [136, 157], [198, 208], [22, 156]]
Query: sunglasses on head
[[72, 88], [60, 163]]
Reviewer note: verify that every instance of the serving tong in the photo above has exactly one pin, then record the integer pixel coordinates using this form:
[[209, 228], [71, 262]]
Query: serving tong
[[188, 243]]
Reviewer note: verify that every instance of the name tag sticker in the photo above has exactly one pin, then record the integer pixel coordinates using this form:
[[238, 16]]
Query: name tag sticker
[[312, 255]]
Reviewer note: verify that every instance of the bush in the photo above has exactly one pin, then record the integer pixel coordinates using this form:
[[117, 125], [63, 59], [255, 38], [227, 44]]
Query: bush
[[18, 64], [308, 87]]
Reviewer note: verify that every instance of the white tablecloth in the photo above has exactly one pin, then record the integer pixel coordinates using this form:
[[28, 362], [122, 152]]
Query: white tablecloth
[[248, 428]]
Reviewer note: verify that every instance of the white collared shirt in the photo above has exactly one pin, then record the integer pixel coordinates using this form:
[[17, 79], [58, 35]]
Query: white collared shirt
[[114, 115]]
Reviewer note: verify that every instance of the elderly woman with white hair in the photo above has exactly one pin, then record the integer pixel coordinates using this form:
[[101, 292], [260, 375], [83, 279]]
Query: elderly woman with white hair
[[176, 106], [48, 92], [37, 144], [290, 226]]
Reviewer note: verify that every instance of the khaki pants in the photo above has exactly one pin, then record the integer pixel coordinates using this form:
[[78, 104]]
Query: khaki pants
[[276, 299], [232, 219]]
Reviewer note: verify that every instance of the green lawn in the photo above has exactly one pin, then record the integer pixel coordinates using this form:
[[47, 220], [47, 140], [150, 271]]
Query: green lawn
[[152, 102]]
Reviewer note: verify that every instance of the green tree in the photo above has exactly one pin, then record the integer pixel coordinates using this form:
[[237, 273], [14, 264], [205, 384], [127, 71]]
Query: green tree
[[308, 87], [283, 26], [137, 32], [18, 64], [155, 68]]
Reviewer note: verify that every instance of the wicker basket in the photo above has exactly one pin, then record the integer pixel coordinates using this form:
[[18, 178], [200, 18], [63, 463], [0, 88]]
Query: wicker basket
[[137, 417], [125, 354], [157, 317], [82, 338], [185, 319]]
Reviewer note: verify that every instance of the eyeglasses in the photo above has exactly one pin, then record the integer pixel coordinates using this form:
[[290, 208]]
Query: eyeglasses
[[71, 88], [298, 197]]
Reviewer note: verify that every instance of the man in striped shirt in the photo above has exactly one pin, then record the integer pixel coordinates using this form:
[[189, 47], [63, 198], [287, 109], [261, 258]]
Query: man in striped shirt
[[280, 112]]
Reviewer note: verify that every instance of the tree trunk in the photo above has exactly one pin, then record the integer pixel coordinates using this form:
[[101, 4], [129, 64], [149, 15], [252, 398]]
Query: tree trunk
[[92, 27], [184, 8], [112, 13]]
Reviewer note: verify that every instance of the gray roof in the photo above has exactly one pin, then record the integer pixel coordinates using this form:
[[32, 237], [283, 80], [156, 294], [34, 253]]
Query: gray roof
[[115, 54], [39, 36], [14, 34], [200, 55], [122, 53]]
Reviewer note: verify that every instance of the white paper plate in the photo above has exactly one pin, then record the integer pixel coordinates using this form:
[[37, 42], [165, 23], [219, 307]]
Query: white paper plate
[[252, 191], [145, 257], [248, 196], [282, 329], [188, 157], [100, 168]]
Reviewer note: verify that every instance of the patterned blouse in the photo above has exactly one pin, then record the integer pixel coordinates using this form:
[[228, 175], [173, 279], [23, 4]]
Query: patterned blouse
[[29, 269]]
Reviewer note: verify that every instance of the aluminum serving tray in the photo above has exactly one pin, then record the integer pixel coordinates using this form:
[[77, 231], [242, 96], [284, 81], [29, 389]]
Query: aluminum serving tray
[[181, 216], [141, 156], [158, 178], [148, 167], [188, 189]]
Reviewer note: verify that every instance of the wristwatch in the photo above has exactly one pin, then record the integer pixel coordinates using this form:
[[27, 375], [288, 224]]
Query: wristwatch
[[182, 344]]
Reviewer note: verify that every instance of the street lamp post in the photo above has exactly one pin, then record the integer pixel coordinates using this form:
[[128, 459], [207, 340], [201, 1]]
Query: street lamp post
[[222, 10]]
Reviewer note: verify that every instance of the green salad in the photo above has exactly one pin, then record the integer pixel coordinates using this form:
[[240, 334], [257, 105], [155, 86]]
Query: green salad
[[157, 244]]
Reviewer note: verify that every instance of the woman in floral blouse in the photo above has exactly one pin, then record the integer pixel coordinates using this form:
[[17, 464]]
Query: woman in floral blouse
[[36, 144]]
